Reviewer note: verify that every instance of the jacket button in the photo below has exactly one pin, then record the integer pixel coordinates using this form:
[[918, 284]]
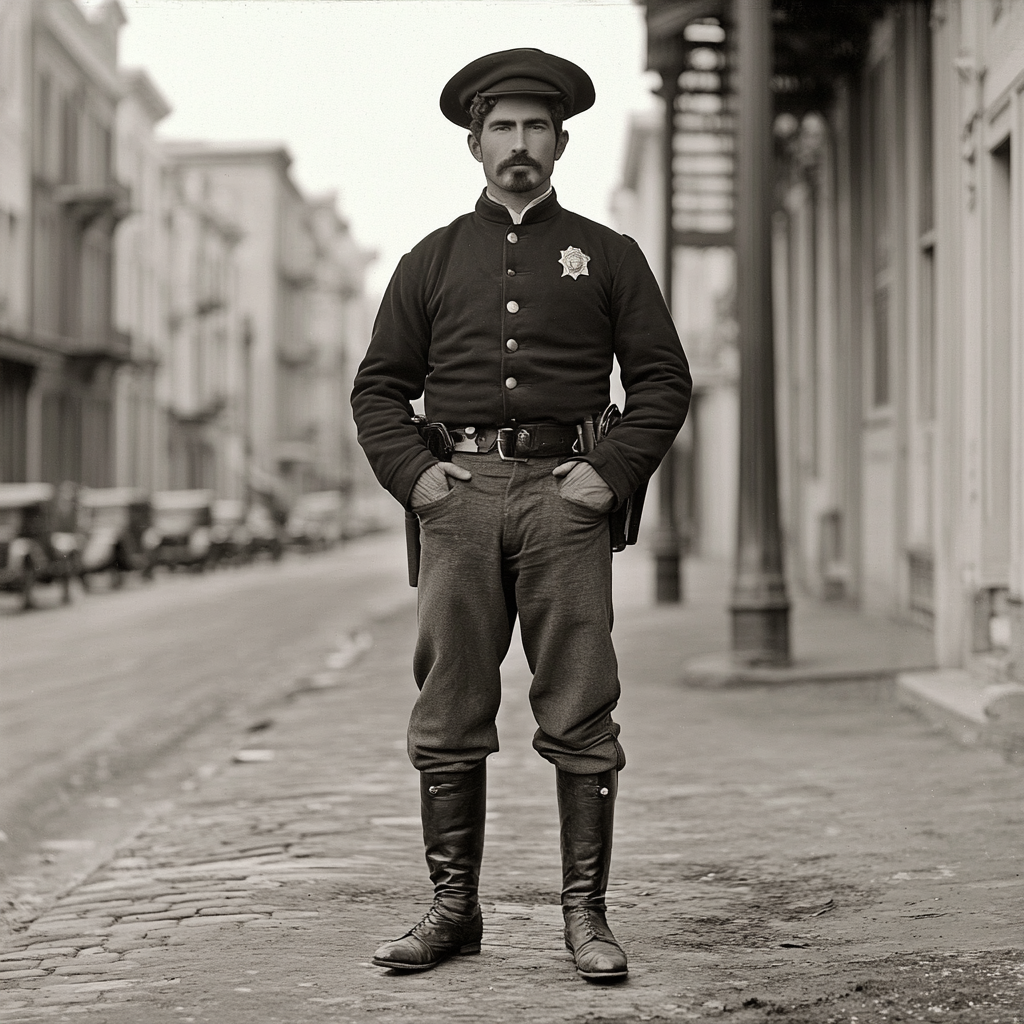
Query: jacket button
[[512, 307], [512, 237], [510, 382], [511, 344], [510, 272]]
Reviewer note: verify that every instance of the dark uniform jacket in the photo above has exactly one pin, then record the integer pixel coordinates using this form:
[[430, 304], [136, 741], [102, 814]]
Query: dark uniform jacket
[[483, 319]]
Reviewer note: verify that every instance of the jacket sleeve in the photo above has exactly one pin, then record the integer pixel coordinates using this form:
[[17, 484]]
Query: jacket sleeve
[[389, 378], [654, 374]]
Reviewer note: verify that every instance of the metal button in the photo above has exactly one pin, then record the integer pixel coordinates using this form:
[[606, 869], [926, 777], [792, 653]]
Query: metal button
[[603, 791], [512, 307], [510, 272], [469, 431], [433, 790], [511, 344], [512, 237], [510, 382]]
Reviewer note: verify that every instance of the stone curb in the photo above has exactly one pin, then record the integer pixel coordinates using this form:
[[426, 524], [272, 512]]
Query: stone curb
[[966, 707], [718, 671]]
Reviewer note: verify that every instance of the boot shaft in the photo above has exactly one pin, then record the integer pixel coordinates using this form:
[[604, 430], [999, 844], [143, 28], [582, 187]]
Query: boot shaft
[[586, 811], [453, 806]]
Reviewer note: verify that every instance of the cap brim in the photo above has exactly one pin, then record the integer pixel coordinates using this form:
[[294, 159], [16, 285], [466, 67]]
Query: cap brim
[[519, 72]]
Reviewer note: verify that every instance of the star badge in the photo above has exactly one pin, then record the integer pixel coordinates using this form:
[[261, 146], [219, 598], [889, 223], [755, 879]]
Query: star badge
[[574, 262]]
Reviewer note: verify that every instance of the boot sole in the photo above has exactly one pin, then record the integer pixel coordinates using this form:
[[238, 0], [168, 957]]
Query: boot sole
[[470, 949], [602, 975]]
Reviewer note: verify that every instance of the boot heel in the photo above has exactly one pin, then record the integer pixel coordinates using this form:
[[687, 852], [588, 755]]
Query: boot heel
[[469, 949]]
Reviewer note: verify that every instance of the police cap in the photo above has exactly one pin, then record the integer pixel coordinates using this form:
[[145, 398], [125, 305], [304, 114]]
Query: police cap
[[521, 72]]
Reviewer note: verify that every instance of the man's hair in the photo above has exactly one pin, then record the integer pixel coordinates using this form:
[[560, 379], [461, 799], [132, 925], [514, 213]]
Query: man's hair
[[483, 105]]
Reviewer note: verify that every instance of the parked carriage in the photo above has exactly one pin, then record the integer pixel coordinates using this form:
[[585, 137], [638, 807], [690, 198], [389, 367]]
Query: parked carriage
[[37, 539], [116, 523]]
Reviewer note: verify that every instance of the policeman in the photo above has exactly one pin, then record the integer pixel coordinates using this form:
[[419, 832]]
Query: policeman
[[507, 322]]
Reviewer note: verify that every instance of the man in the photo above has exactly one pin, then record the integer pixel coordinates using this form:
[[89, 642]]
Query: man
[[507, 321]]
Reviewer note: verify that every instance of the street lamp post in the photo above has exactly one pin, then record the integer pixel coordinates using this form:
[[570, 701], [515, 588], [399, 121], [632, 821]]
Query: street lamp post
[[760, 605]]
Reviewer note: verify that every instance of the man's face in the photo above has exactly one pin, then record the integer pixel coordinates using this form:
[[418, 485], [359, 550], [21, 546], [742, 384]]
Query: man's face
[[518, 146]]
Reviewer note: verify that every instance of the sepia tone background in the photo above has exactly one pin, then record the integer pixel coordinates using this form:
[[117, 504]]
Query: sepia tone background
[[200, 205]]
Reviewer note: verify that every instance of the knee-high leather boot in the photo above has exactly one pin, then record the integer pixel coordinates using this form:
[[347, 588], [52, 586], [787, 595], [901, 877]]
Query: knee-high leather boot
[[452, 807], [586, 808]]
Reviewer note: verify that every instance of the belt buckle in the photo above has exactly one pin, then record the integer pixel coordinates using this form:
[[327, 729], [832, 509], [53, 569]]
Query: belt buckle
[[504, 432]]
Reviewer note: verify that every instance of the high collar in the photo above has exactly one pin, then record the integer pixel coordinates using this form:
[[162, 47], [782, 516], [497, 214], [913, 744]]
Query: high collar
[[498, 214]]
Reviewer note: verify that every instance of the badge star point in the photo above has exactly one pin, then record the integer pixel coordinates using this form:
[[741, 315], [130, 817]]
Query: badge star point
[[574, 262]]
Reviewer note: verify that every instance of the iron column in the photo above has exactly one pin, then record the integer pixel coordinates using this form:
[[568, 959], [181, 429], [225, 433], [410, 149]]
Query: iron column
[[760, 605], [665, 544]]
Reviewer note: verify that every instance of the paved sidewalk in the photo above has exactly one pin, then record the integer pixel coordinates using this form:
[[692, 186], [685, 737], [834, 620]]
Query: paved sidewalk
[[814, 853]]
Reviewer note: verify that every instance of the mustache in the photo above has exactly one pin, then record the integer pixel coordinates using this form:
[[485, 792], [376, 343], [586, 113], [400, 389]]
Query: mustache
[[520, 160]]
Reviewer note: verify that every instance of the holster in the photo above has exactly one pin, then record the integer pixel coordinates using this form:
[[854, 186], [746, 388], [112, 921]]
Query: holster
[[412, 521], [441, 445], [623, 521]]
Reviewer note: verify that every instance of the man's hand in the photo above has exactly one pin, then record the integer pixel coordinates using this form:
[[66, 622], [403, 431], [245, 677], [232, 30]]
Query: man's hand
[[584, 485], [432, 483]]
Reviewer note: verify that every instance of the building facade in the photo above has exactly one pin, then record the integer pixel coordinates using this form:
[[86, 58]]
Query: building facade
[[299, 299], [898, 275], [172, 315], [338, 329], [899, 260], [204, 380], [60, 203], [141, 292]]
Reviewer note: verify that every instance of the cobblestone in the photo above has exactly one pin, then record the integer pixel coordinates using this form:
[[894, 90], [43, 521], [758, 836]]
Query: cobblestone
[[780, 854], [77, 969]]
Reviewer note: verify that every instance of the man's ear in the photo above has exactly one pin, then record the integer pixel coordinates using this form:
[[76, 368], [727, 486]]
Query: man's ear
[[563, 141], [474, 147]]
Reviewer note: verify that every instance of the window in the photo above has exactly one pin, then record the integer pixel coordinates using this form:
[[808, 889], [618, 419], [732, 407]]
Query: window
[[880, 349], [15, 379], [70, 128], [8, 247], [926, 338], [44, 136], [879, 125], [997, 383]]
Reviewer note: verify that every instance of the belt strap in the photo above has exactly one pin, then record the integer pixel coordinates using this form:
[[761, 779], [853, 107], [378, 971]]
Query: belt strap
[[520, 441]]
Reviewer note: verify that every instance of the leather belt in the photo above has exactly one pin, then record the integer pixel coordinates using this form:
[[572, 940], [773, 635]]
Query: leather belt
[[521, 441]]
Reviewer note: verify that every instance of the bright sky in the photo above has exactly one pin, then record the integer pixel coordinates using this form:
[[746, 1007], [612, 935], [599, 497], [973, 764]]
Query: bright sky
[[352, 86]]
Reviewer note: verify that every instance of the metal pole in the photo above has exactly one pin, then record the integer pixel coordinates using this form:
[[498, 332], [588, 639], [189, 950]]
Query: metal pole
[[665, 544], [760, 605]]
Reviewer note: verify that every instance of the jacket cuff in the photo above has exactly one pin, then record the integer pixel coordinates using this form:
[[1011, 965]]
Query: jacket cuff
[[404, 479], [619, 481]]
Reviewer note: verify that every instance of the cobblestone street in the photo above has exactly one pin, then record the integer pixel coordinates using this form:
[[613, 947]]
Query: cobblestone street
[[809, 853]]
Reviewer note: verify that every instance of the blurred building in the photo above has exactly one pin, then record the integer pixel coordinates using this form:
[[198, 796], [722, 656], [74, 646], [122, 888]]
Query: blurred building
[[171, 314], [60, 202], [898, 282], [299, 296], [141, 290], [339, 330], [205, 377], [702, 300]]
